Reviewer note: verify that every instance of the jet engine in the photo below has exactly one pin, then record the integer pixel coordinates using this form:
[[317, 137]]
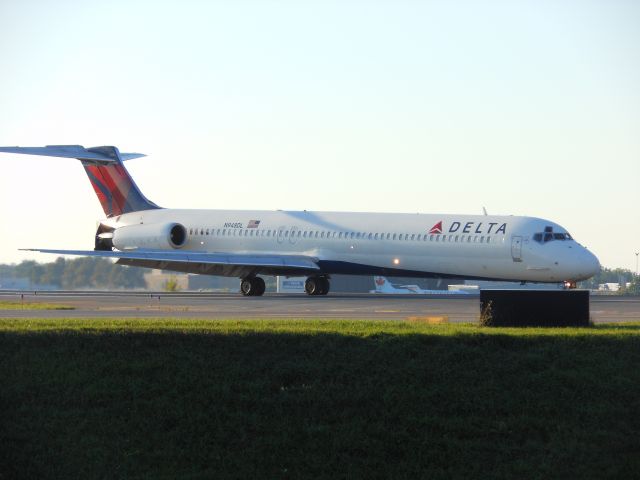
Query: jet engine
[[153, 235]]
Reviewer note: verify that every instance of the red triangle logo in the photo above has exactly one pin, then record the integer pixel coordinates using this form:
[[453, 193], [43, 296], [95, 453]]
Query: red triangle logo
[[437, 228]]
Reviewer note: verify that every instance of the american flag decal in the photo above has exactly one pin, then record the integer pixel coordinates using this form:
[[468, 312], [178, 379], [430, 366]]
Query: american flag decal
[[253, 224]]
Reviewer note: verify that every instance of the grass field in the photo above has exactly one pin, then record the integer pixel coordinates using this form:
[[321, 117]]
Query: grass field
[[172, 398], [11, 305]]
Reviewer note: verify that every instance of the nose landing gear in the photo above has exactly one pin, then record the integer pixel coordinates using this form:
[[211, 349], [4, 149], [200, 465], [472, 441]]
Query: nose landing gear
[[317, 285], [252, 286]]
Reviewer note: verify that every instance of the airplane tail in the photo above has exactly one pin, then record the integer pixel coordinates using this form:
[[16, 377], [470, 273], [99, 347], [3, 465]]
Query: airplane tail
[[383, 285], [114, 187]]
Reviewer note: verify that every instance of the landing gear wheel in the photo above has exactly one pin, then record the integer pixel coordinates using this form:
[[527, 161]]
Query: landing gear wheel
[[252, 287], [260, 286], [316, 286]]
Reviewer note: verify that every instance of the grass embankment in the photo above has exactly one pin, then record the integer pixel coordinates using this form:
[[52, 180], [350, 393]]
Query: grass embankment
[[316, 399], [10, 305]]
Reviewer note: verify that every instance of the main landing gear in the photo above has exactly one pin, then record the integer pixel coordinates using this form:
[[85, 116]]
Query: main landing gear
[[255, 287], [252, 286], [317, 285]]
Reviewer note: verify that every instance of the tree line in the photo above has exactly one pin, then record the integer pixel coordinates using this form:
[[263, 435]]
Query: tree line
[[78, 273], [614, 275]]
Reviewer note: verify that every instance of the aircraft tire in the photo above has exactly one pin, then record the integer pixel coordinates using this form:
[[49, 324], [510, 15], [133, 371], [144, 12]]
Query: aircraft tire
[[316, 286], [259, 286], [252, 287], [324, 286], [311, 286], [246, 287]]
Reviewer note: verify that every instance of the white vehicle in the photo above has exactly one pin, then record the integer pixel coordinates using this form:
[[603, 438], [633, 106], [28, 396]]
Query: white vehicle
[[385, 286], [249, 243]]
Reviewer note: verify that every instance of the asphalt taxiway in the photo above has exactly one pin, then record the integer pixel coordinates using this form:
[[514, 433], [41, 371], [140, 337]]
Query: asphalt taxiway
[[462, 308]]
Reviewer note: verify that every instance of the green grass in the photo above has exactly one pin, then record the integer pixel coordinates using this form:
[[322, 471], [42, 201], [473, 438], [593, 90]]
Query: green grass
[[173, 398], [9, 305]]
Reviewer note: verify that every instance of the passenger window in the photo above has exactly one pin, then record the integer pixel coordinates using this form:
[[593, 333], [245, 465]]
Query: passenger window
[[413, 235], [321, 234]]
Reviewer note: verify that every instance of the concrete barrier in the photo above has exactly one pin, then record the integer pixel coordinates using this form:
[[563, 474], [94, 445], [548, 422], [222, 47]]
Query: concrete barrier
[[534, 308]]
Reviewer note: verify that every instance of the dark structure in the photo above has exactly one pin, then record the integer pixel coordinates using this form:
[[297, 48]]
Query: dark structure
[[534, 308]]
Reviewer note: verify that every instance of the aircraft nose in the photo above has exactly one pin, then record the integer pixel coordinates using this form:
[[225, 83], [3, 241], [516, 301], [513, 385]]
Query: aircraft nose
[[589, 264]]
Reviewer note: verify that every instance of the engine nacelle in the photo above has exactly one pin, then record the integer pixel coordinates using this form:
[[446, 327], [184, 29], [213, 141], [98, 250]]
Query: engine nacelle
[[153, 235]]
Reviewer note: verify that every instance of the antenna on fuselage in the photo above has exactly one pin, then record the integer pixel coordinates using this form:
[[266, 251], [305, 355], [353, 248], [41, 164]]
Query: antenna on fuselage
[[484, 210]]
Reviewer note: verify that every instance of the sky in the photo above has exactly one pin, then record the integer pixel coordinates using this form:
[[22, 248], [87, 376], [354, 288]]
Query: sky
[[524, 108]]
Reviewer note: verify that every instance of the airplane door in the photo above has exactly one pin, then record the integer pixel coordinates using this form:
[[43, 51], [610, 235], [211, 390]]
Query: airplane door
[[516, 248]]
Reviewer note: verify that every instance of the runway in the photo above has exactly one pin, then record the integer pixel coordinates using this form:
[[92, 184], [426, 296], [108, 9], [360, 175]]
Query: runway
[[604, 309]]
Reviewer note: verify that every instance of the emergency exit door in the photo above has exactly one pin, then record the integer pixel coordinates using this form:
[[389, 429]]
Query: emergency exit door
[[516, 248]]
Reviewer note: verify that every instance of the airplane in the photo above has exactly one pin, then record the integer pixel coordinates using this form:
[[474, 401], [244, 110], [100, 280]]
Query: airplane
[[384, 286], [249, 244]]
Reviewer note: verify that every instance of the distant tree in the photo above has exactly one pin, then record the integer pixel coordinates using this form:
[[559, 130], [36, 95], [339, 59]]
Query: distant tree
[[53, 272], [31, 270], [608, 275], [171, 285]]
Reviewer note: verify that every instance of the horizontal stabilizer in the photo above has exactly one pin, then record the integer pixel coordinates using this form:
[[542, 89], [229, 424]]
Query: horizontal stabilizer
[[95, 154]]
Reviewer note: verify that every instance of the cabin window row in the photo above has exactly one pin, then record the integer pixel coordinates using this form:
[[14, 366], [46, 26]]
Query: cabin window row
[[321, 234]]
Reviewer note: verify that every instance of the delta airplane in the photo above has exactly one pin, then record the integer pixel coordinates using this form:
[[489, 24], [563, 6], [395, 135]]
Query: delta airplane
[[250, 243], [385, 286]]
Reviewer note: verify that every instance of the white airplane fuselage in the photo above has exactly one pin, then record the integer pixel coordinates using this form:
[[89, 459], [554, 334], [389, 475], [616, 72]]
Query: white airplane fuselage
[[464, 246], [251, 244]]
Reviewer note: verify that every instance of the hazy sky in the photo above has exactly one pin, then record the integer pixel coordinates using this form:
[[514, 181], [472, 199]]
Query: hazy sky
[[524, 107]]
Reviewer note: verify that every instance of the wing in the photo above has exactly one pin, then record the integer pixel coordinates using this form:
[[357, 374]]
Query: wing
[[224, 264]]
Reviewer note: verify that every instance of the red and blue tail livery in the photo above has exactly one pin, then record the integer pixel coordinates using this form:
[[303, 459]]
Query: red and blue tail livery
[[116, 190]]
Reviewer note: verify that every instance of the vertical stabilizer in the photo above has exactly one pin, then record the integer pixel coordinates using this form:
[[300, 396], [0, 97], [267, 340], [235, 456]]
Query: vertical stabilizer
[[116, 190]]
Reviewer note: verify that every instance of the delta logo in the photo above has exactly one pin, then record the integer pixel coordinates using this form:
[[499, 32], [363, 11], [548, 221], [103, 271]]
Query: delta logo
[[470, 227], [437, 228]]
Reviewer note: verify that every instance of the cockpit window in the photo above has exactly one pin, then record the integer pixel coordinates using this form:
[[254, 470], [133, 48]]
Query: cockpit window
[[548, 235]]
